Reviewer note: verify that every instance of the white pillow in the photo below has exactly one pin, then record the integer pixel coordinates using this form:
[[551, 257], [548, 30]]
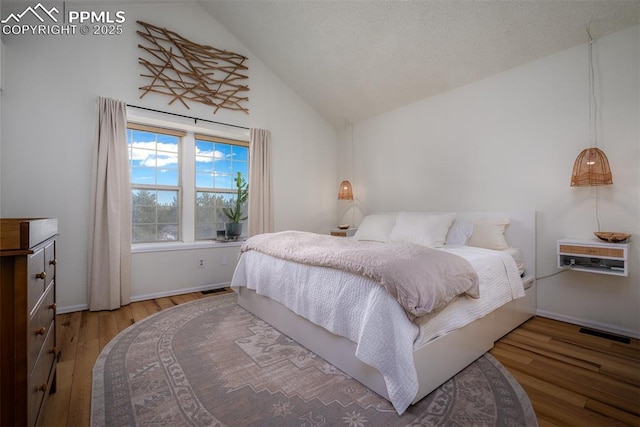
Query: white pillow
[[425, 230], [376, 228], [489, 234], [517, 257], [459, 233]]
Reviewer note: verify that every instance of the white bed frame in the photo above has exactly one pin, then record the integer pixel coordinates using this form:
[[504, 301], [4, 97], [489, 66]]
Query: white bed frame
[[439, 359]]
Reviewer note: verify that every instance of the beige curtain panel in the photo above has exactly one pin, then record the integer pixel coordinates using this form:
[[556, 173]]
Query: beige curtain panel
[[109, 269], [260, 189]]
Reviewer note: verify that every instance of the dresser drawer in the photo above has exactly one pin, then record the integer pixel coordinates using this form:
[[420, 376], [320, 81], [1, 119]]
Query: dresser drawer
[[50, 262], [41, 376], [40, 325], [591, 250], [37, 279]]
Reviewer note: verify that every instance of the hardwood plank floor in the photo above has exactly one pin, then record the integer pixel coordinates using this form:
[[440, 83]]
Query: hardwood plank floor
[[572, 379]]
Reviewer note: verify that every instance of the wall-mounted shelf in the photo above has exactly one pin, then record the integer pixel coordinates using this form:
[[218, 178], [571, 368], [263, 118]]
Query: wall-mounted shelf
[[594, 256]]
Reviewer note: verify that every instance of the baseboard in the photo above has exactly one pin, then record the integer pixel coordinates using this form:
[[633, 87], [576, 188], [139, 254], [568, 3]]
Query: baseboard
[[626, 332], [135, 298], [180, 291], [72, 308]]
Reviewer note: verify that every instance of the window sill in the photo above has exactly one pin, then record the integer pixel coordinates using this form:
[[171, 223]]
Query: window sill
[[180, 246]]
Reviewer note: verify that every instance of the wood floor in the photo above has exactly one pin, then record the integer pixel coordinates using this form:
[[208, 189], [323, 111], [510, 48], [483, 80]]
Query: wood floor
[[572, 379]]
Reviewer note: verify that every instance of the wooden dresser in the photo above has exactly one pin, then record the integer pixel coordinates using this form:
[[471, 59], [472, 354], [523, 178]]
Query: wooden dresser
[[28, 352]]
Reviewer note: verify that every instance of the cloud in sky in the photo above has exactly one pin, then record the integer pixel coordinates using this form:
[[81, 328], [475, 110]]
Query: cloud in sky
[[216, 154], [145, 154]]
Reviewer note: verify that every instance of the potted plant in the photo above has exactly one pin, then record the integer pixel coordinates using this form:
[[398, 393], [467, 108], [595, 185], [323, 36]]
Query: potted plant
[[234, 209]]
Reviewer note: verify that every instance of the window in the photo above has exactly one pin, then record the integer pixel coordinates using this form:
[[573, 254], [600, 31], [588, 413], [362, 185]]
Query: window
[[154, 166], [181, 181], [217, 163]]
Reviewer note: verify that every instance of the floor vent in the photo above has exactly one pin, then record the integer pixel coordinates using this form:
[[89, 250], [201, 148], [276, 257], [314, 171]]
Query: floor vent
[[213, 291], [605, 335]]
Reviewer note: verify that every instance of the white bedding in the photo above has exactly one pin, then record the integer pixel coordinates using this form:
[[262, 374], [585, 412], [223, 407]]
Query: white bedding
[[360, 310], [506, 286]]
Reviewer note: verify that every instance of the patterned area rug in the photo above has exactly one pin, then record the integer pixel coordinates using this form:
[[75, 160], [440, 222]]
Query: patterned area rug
[[212, 363]]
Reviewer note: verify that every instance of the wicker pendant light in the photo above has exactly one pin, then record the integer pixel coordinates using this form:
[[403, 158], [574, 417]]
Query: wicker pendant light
[[591, 166], [345, 192]]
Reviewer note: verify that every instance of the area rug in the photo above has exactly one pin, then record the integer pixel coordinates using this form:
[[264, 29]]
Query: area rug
[[212, 363]]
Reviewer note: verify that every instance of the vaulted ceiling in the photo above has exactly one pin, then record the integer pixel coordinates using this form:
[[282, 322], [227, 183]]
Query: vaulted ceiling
[[352, 60]]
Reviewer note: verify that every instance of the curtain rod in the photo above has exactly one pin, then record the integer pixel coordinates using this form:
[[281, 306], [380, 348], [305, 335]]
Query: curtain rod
[[195, 119]]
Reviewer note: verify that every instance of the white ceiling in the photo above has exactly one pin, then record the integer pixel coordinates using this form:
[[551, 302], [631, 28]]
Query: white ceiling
[[352, 60]]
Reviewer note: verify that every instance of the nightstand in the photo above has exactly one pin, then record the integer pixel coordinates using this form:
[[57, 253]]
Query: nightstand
[[594, 256], [349, 232]]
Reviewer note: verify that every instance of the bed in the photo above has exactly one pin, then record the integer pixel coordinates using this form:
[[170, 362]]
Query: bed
[[378, 343]]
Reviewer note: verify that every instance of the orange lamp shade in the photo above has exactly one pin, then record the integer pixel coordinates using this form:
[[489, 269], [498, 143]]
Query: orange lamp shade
[[346, 191], [591, 168]]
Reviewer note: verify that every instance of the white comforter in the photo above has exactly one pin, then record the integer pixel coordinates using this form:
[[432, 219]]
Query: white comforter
[[357, 308]]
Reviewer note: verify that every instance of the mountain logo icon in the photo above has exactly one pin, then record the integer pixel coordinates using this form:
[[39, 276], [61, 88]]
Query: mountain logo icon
[[33, 11]]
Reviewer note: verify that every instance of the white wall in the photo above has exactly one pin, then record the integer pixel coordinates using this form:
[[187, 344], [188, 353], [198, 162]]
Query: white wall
[[165, 273], [508, 143], [48, 119]]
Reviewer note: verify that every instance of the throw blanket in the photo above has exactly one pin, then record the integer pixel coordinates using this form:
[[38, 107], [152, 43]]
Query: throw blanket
[[421, 279]]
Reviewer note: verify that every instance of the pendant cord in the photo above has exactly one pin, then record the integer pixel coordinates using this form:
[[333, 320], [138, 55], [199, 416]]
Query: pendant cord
[[593, 112], [593, 104]]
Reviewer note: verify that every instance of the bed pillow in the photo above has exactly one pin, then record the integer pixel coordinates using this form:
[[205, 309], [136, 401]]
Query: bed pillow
[[425, 230], [516, 254], [489, 234], [375, 228], [459, 233]]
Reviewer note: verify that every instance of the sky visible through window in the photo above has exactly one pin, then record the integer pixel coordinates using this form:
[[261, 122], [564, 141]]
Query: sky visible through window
[[154, 161], [217, 164], [157, 179]]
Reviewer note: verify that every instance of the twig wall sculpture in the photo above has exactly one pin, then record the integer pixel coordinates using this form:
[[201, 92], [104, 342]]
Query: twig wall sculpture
[[188, 71]]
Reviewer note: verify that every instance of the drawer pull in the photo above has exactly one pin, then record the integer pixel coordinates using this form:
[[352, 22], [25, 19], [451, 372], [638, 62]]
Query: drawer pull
[[54, 351], [53, 306], [43, 387], [53, 262], [41, 331], [42, 275]]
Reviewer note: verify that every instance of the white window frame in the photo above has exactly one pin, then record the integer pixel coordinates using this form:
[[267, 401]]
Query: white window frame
[[162, 187], [187, 177], [232, 191]]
